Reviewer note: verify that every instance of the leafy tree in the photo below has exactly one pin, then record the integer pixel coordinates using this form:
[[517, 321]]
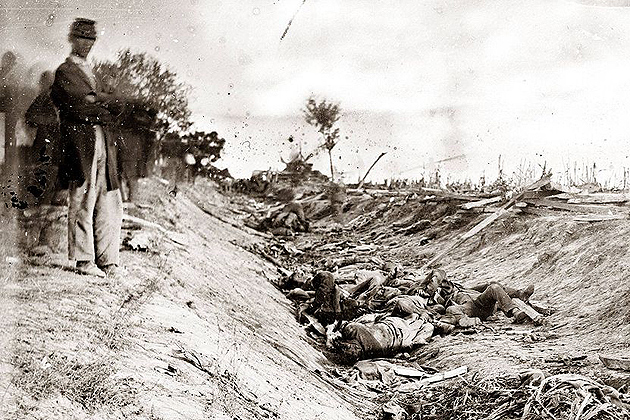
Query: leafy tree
[[140, 77], [323, 115], [205, 147]]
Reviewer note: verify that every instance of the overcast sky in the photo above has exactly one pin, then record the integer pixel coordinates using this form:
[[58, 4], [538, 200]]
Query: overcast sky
[[533, 81]]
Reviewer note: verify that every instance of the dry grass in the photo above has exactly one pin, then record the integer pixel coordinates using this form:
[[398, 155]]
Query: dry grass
[[91, 384], [556, 397], [51, 356], [111, 333]]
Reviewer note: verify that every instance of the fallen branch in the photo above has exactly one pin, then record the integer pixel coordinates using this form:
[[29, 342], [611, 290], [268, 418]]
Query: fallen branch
[[143, 223], [369, 169], [231, 223]]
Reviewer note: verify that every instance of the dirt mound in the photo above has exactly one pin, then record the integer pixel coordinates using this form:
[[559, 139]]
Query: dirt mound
[[194, 331], [579, 271], [579, 268]]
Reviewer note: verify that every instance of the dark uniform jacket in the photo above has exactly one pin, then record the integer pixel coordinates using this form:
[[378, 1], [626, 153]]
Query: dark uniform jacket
[[43, 116], [77, 119]]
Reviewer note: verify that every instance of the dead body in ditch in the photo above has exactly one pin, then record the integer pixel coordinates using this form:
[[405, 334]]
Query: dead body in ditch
[[409, 318], [377, 336], [465, 307]]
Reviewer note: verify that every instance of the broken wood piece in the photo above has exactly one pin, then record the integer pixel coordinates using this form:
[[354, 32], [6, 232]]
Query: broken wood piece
[[544, 202], [480, 203], [143, 223], [599, 217], [438, 377], [409, 372], [615, 362], [529, 311]]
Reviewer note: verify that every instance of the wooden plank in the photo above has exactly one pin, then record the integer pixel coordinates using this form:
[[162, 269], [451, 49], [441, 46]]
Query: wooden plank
[[448, 194], [409, 372], [438, 377], [613, 362], [595, 198], [531, 313], [543, 202], [484, 223], [539, 194], [599, 217], [480, 203]]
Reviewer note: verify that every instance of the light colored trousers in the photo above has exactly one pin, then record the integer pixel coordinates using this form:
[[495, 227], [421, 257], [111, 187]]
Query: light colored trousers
[[95, 214]]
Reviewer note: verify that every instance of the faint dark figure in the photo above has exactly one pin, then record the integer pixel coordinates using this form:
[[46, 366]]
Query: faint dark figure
[[8, 97], [46, 149], [136, 144], [337, 197]]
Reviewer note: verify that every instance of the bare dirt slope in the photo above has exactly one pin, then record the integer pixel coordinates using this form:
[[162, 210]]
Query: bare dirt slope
[[195, 331], [580, 270]]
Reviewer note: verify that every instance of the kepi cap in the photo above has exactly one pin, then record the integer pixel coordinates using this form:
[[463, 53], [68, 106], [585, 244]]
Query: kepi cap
[[83, 28]]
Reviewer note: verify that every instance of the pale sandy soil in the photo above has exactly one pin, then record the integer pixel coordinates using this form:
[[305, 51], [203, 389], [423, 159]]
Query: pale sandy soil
[[193, 331], [197, 330]]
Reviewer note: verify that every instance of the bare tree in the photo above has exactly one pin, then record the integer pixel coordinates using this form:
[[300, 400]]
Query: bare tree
[[323, 115]]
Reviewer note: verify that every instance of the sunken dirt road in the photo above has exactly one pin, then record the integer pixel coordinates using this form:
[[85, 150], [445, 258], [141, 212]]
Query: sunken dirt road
[[197, 330]]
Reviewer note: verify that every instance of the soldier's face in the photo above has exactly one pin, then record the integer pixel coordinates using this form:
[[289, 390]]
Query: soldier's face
[[81, 46]]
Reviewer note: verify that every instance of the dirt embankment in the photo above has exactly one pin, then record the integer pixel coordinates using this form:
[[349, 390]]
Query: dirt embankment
[[195, 331], [579, 269]]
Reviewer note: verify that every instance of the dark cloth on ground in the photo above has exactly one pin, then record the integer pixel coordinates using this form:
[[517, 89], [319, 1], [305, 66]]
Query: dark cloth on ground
[[291, 217], [326, 306], [479, 305], [329, 304]]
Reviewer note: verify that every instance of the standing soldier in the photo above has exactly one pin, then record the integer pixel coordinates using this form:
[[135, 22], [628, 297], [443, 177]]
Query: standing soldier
[[88, 163]]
